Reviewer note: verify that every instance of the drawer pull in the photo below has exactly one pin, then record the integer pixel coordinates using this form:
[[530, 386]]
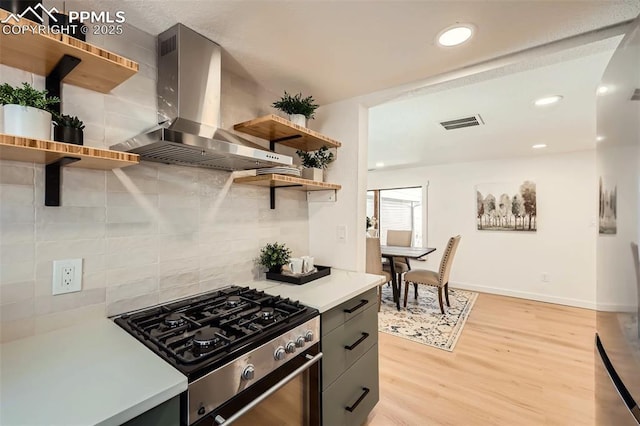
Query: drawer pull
[[355, 404], [358, 306], [357, 342]]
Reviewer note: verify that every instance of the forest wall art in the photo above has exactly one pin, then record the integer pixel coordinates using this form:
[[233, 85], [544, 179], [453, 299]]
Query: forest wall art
[[608, 207], [506, 206]]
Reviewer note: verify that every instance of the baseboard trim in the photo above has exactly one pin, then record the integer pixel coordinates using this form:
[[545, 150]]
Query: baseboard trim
[[525, 295]]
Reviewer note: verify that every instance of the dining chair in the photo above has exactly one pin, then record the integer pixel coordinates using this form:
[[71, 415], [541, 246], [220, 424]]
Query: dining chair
[[374, 264], [401, 264], [438, 279]]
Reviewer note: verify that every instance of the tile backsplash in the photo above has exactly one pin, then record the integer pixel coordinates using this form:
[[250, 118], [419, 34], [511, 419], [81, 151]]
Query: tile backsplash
[[147, 233]]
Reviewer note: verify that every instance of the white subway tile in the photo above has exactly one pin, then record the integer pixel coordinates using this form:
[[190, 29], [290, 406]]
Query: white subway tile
[[68, 318], [66, 214], [52, 250], [12, 233], [130, 274], [20, 252], [12, 330], [69, 231], [174, 293], [17, 310], [16, 173], [16, 214], [16, 292], [47, 304], [127, 305], [17, 272], [132, 289]]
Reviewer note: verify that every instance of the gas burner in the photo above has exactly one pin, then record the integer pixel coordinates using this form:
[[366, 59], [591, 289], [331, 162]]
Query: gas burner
[[206, 337], [174, 320], [266, 314], [233, 301]]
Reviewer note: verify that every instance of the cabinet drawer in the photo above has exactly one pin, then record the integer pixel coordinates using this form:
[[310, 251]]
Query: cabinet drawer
[[359, 334], [347, 310], [350, 399]]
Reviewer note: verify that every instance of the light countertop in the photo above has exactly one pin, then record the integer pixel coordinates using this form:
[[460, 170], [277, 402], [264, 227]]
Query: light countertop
[[91, 374], [324, 293], [97, 374]]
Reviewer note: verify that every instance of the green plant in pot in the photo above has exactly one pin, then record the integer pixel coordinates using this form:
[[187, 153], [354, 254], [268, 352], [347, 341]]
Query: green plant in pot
[[315, 162], [68, 129], [298, 108], [26, 111], [274, 256]]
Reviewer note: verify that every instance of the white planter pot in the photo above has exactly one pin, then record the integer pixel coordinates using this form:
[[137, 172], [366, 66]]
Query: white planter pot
[[298, 119], [313, 174], [1, 118], [27, 121]]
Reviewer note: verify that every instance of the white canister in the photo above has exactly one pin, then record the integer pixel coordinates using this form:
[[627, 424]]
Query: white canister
[[27, 121]]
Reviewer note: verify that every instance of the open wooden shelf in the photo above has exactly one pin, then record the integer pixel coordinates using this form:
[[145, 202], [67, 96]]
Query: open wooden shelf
[[282, 131], [284, 181], [17, 148], [99, 69]]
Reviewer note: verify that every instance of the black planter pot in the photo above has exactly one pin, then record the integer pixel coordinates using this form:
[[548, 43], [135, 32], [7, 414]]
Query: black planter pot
[[71, 28], [276, 269], [68, 135], [18, 6]]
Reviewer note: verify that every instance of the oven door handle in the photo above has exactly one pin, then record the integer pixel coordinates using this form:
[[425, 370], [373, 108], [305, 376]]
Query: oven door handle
[[311, 360]]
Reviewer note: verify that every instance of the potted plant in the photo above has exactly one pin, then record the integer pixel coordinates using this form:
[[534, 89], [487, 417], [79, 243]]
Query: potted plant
[[26, 111], [315, 162], [274, 256], [298, 108], [68, 129]]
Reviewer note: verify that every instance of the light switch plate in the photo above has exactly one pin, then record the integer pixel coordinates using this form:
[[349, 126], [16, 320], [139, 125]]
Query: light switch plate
[[341, 233], [67, 276]]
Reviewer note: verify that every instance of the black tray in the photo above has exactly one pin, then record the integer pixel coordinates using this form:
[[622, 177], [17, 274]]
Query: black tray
[[323, 271]]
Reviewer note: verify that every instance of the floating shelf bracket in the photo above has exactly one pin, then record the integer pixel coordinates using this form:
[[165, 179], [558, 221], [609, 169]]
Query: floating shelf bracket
[[54, 79], [53, 180], [272, 194]]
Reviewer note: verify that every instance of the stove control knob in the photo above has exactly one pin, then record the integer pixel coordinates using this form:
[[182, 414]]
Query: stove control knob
[[308, 336], [279, 354], [291, 347], [300, 341], [249, 372]]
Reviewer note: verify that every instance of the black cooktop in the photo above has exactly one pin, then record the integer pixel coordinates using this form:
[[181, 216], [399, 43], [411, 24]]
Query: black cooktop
[[201, 333]]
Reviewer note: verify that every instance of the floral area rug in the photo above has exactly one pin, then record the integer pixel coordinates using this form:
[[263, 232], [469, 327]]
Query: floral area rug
[[421, 321]]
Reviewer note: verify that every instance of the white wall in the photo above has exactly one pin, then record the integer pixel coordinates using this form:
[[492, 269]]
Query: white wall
[[512, 263], [346, 122], [147, 233]]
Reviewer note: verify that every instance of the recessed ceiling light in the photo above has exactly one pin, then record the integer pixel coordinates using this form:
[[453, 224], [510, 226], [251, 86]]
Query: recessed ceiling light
[[599, 138], [548, 100], [602, 90], [539, 146], [455, 35], [379, 164]]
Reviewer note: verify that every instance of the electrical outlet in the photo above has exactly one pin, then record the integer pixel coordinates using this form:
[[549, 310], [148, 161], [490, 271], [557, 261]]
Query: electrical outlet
[[341, 233], [67, 276]]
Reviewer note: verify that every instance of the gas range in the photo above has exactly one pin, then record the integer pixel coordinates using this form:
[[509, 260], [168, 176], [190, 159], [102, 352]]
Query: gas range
[[225, 342]]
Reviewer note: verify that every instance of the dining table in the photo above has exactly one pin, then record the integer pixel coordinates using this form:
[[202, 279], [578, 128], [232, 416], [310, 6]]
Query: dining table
[[389, 252]]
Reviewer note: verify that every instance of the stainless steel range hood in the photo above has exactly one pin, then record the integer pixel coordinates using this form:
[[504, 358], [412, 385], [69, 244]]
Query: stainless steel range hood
[[189, 71]]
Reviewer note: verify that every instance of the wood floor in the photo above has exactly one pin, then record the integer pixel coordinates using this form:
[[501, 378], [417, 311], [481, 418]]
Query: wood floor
[[518, 362]]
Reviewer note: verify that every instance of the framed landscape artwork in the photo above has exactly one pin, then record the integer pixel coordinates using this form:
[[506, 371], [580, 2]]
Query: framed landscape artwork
[[608, 207], [506, 206]]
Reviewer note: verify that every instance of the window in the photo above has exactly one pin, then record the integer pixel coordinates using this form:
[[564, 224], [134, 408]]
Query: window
[[398, 208]]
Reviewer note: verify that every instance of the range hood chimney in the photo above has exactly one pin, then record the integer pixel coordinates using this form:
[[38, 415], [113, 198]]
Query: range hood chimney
[[188, 88]]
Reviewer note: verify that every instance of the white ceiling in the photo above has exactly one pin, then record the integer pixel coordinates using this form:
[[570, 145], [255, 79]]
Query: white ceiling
[[408, 133], [338, 49]]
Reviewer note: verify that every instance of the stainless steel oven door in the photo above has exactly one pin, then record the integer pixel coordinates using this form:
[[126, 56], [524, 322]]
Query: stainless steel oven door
[[288, 396]]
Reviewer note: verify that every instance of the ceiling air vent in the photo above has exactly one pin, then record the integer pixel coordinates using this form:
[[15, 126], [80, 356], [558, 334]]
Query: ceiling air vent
[[636, 95], [459, 123]]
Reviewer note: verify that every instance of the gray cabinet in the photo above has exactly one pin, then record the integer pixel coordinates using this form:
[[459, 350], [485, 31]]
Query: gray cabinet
[[350, 362]]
